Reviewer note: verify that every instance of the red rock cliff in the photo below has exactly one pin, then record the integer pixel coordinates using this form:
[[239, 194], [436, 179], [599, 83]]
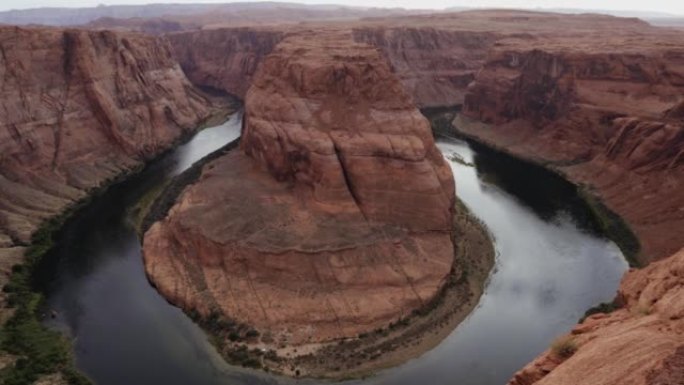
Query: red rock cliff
[[605, 118], [224, 59], [338, 219], [604, 110], [79, 108], [434, 65], [344, 123]]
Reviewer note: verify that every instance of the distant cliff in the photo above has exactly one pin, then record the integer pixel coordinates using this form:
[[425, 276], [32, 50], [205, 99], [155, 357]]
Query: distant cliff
[[223, 59], [607, 114], [434, 65]]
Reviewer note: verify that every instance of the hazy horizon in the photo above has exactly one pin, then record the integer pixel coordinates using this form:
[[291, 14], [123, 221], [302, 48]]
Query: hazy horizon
[[676, 8]]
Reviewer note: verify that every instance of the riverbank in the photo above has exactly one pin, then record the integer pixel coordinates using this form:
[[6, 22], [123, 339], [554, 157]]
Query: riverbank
[[389, 346], [370, 351], [29, 349], [474, 258], [611, 224]]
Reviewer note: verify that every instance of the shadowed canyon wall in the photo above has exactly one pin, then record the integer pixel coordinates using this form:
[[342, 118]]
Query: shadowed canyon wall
[[223, 59], [604, 110], [334, 219]]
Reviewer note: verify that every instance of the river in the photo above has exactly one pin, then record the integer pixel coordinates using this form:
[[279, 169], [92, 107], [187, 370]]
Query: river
[[551, 265]]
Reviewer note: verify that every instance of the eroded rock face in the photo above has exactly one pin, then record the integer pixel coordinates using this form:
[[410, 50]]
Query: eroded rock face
[[608, 120], [334, 220], [78, 109], [434, 65], [342, 124], [607, 116], [224, 59], [641, 343]]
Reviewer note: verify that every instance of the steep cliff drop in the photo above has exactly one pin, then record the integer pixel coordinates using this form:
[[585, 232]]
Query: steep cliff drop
[[225, 58], [78, 109], [334, 221], [641, 343], [434, 65], [608, 117]]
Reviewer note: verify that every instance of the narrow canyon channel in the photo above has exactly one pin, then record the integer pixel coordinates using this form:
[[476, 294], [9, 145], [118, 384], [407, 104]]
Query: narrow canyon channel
[[552, 265]]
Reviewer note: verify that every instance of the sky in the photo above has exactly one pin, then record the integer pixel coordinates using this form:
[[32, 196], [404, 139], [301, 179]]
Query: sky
[[665, 6]]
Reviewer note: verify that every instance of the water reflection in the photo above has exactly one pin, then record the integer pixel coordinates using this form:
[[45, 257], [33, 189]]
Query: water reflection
[[550, 268]]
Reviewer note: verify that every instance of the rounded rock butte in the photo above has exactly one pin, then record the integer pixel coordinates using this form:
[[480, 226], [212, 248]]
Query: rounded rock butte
[[335, 217]]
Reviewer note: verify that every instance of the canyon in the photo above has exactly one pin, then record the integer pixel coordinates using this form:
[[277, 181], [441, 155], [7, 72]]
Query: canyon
[[576, 106], [594, 98], [335, 216], [338, 208], [80, 110]]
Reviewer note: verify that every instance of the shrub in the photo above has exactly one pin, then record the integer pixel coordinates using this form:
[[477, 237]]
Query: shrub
[[605, 307], [564, 347]]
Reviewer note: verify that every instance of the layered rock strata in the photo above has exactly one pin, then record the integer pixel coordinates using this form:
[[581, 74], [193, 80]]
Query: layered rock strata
[[607, 115], [78, 109], [334, 219], [608, 120], [225, 58], [434, 65]]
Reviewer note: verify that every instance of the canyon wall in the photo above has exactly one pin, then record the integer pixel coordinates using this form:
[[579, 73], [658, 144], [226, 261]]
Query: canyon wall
[[78, 109], [434, 65], [606, 112], [606, 119], [596, 98], [335, 218], [223, 59]]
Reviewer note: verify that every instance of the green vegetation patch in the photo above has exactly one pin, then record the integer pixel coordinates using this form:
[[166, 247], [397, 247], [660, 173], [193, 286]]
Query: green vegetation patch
[[564, 347], [614, 227], [40, 351], [602, 308]]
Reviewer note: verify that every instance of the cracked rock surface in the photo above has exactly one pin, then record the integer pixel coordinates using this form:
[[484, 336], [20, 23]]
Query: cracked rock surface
[[334, 218]]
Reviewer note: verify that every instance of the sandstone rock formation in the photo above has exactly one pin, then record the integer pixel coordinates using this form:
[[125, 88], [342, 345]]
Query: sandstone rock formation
[[604, 118], [78, 109], [335, 219], [434, 65], [640, 343], [224, 59], [603, 109]]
